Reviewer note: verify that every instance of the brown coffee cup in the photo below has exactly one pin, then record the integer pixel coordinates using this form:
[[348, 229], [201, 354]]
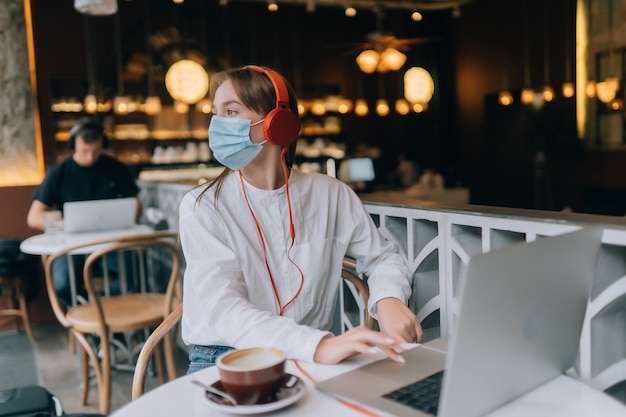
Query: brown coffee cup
[[253, 375]]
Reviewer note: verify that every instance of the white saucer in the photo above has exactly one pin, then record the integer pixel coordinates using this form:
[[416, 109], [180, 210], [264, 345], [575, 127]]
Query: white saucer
[[291, 391]]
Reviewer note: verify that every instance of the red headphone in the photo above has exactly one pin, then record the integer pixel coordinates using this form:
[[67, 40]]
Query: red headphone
[[281, 125]]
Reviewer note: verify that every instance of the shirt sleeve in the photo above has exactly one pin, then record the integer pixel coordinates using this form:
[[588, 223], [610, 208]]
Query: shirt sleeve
[[217, 307], [378, 257], [47, 191], [127, 186]]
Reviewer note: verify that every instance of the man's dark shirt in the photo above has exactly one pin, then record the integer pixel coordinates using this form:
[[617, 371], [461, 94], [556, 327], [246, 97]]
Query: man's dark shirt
[[68, 181]]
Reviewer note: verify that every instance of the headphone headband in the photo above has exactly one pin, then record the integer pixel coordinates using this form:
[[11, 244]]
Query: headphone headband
[[281, 125], [91, 125], [282, 96]]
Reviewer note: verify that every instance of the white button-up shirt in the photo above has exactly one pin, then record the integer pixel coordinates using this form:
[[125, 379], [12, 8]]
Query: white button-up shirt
[[228, 295]]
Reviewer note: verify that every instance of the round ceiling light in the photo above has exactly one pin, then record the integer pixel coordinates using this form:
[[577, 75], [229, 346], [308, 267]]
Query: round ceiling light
[[418, 85], [187, 81]]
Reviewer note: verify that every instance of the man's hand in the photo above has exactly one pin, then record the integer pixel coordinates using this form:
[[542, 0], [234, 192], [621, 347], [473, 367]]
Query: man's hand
[[397, 321]]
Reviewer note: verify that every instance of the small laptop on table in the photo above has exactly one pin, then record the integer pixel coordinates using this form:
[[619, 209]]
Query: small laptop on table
[[521, 314], [99, 215]]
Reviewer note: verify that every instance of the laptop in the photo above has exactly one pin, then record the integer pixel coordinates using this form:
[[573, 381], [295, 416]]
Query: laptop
[[99, 215], [520, 318], [361, 169]]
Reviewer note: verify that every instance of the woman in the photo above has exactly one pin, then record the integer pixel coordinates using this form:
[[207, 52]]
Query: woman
[[264, 256]]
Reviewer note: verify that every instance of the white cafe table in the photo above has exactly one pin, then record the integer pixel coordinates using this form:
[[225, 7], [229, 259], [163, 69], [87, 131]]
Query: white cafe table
[[561, 397], [47, 244]]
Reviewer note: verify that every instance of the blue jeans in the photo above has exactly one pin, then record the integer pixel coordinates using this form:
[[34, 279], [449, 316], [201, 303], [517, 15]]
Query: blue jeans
[[201, 357]]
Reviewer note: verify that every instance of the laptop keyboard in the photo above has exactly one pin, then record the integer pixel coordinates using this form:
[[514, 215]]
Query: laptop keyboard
[[422, 395]]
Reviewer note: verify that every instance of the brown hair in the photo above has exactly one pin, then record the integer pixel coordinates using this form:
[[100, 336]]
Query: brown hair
[[256, 92]]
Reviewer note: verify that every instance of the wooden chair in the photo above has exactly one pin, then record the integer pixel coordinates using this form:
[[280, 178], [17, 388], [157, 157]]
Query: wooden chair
[[161, 333], [17, 269], [358, 288], [94, 323], [359, 292], [13, 292]]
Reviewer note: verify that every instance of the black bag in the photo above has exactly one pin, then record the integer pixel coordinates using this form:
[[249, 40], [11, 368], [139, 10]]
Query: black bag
[[33, 401], [29, 401]]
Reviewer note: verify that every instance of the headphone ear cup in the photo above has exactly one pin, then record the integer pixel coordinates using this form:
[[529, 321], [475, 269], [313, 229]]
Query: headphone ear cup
[[71, 141], [281, 127]]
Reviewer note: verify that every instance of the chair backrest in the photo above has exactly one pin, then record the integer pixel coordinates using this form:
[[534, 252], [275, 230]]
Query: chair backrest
[[159, 334], [98, 249], [358, 291]]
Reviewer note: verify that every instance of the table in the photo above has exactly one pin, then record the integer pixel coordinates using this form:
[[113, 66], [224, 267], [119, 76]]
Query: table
[[561, 397], [46, 244]]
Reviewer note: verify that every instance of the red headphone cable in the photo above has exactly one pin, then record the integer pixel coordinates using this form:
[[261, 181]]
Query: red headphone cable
[[281, 307]]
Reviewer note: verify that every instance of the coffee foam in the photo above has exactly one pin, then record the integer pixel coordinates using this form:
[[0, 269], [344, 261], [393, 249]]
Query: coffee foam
[[253, 359]]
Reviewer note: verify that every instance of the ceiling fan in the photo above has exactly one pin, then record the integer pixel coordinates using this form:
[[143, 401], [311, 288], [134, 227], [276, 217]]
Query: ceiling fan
[[382, 51], [380, 41]]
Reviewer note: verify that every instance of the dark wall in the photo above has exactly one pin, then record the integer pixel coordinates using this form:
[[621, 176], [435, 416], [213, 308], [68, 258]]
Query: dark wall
[[315, 51], [507, 45], [15, 204], [494, 44]]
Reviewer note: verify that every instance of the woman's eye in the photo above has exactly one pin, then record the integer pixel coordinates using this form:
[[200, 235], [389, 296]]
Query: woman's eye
[[231, 112]]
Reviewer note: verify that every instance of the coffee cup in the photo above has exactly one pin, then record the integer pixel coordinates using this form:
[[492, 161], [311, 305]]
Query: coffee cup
[[253, 375]]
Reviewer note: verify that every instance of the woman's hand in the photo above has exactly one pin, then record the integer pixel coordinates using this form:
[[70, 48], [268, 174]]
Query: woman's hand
[[334, 349], [397, 321]]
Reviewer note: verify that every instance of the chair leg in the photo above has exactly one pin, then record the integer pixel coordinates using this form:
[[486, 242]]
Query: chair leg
[[84, 367], [71, 340], [21, 297], [105, 381], [14, 294], [9, 291], [91, 356]]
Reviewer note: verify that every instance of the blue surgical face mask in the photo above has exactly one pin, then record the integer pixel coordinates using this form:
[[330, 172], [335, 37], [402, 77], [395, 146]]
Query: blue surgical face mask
[[229, 139]]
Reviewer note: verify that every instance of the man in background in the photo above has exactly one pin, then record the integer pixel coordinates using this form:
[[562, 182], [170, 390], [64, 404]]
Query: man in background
[[88, 174]]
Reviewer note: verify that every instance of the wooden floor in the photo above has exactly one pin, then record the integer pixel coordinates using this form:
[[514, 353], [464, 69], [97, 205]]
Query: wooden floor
[[59, 370]]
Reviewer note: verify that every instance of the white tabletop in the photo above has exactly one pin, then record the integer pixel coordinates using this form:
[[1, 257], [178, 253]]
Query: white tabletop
[[560, 397], [47, 244]]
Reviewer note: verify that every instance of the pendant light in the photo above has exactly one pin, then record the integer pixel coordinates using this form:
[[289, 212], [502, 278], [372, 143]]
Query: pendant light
[[528, 94], [548, 91], [382, 106], [401, 105], [418, 86], [186, 80], [152, 105], [121, 101], [91, 102], [505, 98], [360, 107], [607, 89], [360, 104], [381, 58], [568, 86]]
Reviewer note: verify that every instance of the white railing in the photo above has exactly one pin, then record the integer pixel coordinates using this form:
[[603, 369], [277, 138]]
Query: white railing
[[438, 240]]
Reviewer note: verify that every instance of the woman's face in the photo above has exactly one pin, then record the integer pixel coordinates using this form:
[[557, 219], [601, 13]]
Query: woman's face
[[226, 103]]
